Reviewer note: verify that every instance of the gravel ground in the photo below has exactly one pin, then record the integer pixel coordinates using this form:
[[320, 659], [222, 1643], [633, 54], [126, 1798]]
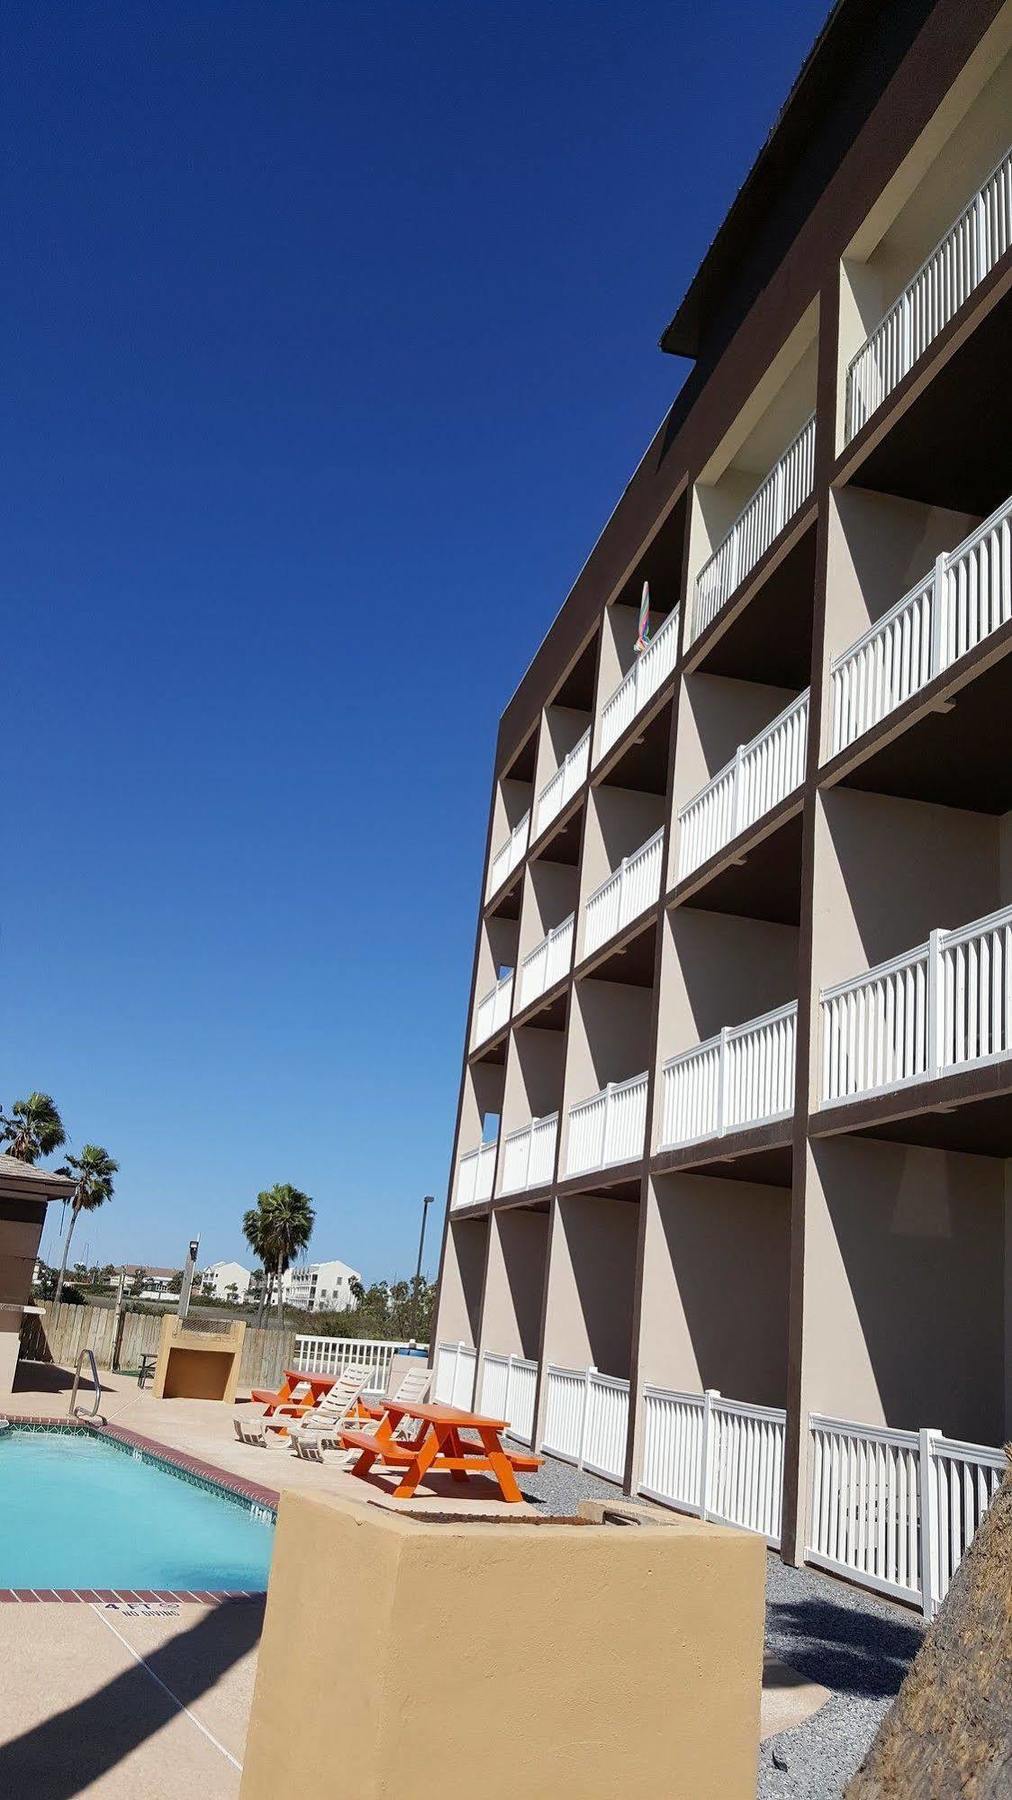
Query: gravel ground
[[852, 1643], [856, 1645]]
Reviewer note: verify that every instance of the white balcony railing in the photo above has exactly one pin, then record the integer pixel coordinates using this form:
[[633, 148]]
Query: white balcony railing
[[944, 282], [967, 596], [896, 1510], [945, 1005], [528, 1155], [722, 1459], [508, 855], [634, 886], [493, 1011], [547, 963], [587, 1419], [474, 1176], [608, 1128], [743, 1076], [758, 777], [454, 1368], [508, 1389], [569, 775], [651, 668], [772, 506]]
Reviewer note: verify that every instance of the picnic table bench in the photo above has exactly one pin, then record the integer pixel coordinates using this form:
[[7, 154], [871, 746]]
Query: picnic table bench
[[439, 1445]]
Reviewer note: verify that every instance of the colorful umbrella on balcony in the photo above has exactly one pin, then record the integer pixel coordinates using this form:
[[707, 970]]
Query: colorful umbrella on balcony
[[643, 634]]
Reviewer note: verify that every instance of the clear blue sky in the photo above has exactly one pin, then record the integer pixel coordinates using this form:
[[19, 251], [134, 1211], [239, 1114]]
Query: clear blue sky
[[331, 340]]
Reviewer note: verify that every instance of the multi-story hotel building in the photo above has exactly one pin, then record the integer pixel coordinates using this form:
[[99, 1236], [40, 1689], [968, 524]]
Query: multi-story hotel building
[[736, 1105]]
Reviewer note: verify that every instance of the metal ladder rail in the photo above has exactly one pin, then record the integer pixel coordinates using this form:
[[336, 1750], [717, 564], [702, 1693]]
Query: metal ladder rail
[[80, 1412]]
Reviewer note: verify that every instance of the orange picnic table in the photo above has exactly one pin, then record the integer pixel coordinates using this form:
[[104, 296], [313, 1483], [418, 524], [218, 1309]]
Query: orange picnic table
[[282, 1397], [439, 1445]]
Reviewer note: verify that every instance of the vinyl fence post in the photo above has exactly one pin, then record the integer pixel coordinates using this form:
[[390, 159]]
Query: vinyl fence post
[[927, 1496], [706, 1454], [935, 1006], [585, 1414], [937, 659]]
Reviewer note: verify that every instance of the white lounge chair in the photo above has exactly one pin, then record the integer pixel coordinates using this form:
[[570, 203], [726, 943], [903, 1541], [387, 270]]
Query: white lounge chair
[[336, 1408], [412, 1388]]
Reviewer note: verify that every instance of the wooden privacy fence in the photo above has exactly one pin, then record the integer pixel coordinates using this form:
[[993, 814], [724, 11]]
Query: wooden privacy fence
[[62, 1332]]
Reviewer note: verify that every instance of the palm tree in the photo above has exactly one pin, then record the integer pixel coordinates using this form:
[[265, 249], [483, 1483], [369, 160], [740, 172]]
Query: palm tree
[[253, 1232], [287, 1220], [32, 1128], [92, 1174]]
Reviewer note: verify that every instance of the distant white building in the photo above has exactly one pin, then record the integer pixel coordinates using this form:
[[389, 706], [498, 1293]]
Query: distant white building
[[317, 1287], [220, 1277]]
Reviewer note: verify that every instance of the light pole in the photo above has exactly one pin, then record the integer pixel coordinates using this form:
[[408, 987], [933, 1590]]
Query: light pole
[[426, 1203]]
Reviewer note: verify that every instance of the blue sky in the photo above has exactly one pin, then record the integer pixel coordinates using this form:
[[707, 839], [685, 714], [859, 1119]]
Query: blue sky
[[331, 340]]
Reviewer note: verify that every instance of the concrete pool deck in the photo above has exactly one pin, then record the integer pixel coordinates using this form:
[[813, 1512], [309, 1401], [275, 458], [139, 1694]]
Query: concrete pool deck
[[131, 1703]]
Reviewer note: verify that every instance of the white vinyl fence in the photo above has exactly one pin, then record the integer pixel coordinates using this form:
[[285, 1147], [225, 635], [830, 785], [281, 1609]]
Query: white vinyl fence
[[453, 1375], [609, 1127], [509, 855], [528, 1155], [328, 1356], [772, 506], [650, 669], [743, 1076], [474, 1175], [569, 775], [721, 1459], [494, 1010], [634, 886], [944, 1005], [508, 1389], [945, 280], [587, 1419], [759, 775], [547, 963], [895, 1510], [967, 596]]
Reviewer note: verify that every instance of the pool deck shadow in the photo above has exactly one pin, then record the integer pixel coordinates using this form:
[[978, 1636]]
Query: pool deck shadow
[[79, 1713]]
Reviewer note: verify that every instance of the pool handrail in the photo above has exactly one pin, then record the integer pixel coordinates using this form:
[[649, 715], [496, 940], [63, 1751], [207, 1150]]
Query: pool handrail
[[79, 1412]]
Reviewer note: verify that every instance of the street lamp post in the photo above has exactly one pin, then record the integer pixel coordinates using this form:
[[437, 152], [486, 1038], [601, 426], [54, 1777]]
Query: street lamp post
[[426, 1203]]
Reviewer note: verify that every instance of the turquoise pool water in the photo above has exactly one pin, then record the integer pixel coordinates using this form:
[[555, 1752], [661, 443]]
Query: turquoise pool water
[[76, 1513]]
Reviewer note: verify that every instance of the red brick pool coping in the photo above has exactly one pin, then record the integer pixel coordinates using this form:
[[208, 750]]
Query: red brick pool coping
[[191, 1465]]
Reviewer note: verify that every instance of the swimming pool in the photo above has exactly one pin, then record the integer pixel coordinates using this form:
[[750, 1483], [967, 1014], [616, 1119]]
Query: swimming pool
[[79, 1513]]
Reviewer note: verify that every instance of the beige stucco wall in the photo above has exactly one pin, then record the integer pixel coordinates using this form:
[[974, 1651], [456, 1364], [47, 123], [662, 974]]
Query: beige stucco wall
[[592, 1258], [551, 892], [720, 969], [715, 1288], [439, 1646], [515, 1282], [534, 1076], [618, 822], [879, 547], [888, 871], [463, 1272], [904, 1287]]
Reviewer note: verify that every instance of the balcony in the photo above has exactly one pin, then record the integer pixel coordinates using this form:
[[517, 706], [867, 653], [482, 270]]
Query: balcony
[[609, 1128], [943, 1006], [758, 525], [649, 671], [570, 775], [758, 777], [966, 597], [493, 1011], [474, 1176], [508, 856], [944, 282], [528, 1157], [633, 887], [547, 963], [744, 1076]]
